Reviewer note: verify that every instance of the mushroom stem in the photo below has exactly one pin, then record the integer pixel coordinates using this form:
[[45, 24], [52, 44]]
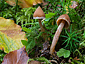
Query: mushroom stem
[[41, 26], [56, 37]]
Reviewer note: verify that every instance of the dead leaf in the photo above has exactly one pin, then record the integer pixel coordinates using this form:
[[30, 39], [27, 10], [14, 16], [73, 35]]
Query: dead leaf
[[76, 58], [74, 4], [11, 35], [45, 51], [24, 3], [16, 57], [34, 62]]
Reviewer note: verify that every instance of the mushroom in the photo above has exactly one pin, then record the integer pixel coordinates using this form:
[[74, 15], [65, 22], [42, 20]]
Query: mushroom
[[62, 21], [39, 14]]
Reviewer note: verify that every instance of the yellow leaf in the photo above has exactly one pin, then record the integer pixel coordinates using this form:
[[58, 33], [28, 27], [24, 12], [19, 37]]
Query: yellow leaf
[[24, 3], [10, 35]]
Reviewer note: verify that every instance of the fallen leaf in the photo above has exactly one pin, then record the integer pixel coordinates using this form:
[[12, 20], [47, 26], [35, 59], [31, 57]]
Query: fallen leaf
[[45, 51], [10, 35], [24, 3], [34, 62], [74, 4], [16, 57], [76, 58]]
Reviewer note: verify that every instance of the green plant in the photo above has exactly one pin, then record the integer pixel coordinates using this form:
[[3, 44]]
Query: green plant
[[33, 35], [80, 56], [3, 5], [41, 59], [2, 54], [83, 21], [21, 16], [72, 40], [83, 40], [25, 16], [81, 8], [49, 19], [50, 24], [63, 52], [10, 12]]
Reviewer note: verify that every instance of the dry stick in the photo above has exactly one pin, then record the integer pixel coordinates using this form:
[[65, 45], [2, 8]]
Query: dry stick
[[56, 36], [53, 61]]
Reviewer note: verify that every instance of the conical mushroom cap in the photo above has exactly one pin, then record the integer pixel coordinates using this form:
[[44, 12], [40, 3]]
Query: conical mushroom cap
[[65, 18], [39, 14]]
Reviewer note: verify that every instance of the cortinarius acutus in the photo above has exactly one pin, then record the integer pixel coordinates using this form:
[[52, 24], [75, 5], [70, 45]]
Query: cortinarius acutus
[[62, 21]]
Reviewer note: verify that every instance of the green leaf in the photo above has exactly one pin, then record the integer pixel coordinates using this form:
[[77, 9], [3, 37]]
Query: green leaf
[[84, 34], [47, 19], [82, 43], [63, 52], [24, 42], [26, 29], [30, 45], [49, 15], [43, 59]]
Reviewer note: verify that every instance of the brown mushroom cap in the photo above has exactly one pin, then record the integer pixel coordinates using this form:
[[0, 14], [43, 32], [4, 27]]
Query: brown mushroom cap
[[65, 18], [38, 14]]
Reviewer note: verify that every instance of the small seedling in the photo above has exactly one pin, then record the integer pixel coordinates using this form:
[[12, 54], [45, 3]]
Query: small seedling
[[63, 52]]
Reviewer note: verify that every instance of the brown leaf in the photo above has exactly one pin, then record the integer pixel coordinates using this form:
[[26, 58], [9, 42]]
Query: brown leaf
[[45, 51], [74, 4], [34, 62], [16, 57], [76, 58]]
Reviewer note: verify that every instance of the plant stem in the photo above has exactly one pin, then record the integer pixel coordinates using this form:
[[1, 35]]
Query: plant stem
[[16, 6], [56, 37]]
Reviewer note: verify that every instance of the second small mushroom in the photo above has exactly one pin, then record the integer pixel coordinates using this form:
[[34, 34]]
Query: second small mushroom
[[62, 21]]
